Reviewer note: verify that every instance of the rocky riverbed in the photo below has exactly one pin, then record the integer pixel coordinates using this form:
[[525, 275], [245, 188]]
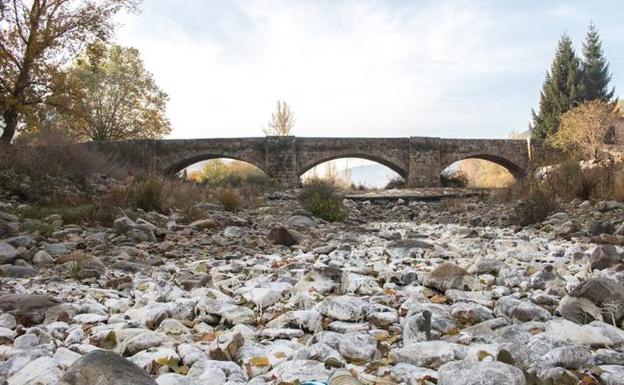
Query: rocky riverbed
[[401, 293]]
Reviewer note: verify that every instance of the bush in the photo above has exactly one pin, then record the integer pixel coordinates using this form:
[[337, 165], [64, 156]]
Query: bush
[[321, 200], [454, 179], [588, 180], [107, 206], [570, 180], [536, 207], [163, 194], [229, 198], [396, 183], [146, 193]]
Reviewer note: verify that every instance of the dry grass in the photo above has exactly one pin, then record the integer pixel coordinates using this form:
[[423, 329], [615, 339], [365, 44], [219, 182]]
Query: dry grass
[[57, 175], [568, 181], [229, 198], [36, 165], [598, 181]]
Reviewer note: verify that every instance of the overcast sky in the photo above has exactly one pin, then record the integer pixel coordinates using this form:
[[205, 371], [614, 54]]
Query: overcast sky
[[360, 68]]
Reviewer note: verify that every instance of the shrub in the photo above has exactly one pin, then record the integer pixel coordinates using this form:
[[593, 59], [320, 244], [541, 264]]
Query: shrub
[[538, 204], [229, 198], [454, 179], [146, 193], [596, 180], [321, 200], [163, 194], [569, 180], [107, 206], [184, 196], [396, 183]]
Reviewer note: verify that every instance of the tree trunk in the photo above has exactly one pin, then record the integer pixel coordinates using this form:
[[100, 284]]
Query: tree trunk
[[10, 125], [10, 114]]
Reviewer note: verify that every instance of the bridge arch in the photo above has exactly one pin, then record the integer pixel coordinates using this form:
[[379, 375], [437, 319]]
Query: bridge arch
[[514, 169], [373, 158], [181, 164]]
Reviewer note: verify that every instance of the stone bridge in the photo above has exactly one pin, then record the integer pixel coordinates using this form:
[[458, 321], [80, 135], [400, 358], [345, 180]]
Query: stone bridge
[[419, 160]]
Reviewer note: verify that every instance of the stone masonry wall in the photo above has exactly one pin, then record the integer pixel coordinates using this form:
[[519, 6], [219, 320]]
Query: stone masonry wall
[[419, 160]]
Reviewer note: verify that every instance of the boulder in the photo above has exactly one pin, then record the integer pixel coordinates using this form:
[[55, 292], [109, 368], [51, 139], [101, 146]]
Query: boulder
[[42, 258], [300, 221], [450, 276], [280, 235], [568, 357], [404, 248], [486, 266], [612, 374], [28, 308], [202, 224], [294, 371], [479, 373], [595, 299], [142, 341], [428, 354], [604, 256], [8, 253], [42, 371], [56, 249], [411, 374], [521, 310], [343, 308], [233, 232], [139, 232], [600, 227], [13, 271], [8, 229], [102, 367]]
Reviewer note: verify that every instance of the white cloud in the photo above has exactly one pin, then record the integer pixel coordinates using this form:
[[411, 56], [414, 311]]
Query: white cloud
[[346, 67]]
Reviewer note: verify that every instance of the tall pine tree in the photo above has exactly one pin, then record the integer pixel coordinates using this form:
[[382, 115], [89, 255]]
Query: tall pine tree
[[561, 91], [596, 76]]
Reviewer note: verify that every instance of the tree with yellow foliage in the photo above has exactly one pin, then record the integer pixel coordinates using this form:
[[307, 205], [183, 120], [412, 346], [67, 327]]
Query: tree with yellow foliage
[[38, 37], [584, 128], [109, 95]]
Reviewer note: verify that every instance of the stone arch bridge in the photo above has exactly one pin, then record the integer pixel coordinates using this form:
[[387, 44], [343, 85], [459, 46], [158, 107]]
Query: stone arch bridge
[[419, 160]]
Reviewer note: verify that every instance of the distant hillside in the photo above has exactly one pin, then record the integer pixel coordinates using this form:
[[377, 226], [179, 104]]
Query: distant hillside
[[372, 175]]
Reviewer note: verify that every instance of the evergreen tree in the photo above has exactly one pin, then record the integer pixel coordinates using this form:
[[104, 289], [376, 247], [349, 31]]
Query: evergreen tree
[[596, 76], [561, 91]]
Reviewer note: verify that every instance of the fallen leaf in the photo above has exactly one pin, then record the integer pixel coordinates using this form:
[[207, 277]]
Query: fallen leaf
[[260, 361], [438, 298], [110, 341], [207, 337]]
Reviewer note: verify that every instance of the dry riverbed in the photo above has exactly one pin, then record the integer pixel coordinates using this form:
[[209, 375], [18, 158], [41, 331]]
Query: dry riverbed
[[401, 293]]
